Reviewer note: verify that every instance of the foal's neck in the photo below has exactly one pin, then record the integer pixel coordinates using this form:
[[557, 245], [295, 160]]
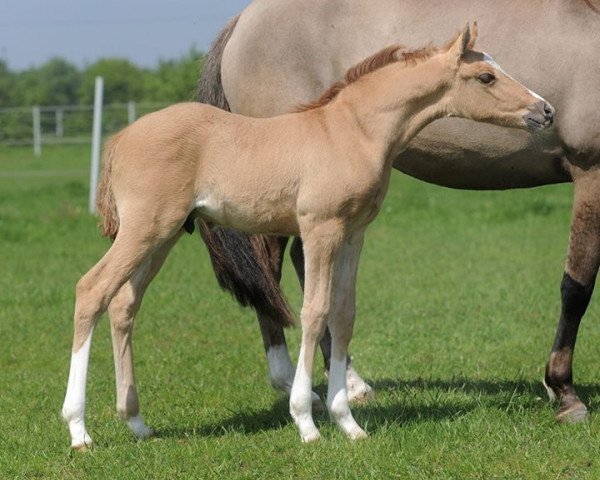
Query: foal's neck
[[391, 106]]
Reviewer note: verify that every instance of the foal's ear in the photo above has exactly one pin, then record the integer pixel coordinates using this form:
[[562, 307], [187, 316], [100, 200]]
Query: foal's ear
[[464, 42]]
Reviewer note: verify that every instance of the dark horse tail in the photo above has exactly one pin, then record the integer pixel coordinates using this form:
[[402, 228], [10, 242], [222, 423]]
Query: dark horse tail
[[241, 262]]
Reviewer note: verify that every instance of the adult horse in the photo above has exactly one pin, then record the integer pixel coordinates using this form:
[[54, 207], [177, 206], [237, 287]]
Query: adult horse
[[281, 52]]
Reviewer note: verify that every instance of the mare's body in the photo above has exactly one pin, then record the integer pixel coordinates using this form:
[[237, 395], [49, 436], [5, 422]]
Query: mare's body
[[551, 46]]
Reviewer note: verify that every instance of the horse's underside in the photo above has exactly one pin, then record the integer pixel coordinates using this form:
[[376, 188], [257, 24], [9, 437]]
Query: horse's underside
[[279, 53]]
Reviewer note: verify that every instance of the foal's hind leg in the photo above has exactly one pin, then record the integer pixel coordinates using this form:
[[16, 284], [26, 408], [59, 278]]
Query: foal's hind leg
[[94, 292], [358, 390], [122, 310], [576, 290]]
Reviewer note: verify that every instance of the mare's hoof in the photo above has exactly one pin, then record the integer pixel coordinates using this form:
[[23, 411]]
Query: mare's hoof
[[360, 394], [139, 428], [359, 391], [576, 413], [317, 404]]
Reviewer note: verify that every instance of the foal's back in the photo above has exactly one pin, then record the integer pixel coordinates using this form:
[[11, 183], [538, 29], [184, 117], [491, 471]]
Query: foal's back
[[236, 171]]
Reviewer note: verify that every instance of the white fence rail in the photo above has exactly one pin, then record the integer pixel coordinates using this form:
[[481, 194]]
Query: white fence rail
[[65, 124]]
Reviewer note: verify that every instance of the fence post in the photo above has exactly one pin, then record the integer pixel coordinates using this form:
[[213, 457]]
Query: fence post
[[37, 131], [59, 117], [131, 112], [96, 139]]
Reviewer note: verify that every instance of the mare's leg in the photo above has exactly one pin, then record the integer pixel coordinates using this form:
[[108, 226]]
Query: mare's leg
[[122, 310], [321, 244], [341, 324], [358, 390], [95, 290], [576, 290], [281, 370]]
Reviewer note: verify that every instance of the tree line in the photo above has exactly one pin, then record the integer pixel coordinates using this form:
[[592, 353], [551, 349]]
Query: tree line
[[59, 82]]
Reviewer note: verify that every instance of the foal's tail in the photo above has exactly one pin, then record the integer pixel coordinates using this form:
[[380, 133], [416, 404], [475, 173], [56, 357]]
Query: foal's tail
[[105, 199], [241, 263]]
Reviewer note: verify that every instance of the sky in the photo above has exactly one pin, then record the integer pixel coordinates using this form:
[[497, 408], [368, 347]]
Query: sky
[[144, 31]]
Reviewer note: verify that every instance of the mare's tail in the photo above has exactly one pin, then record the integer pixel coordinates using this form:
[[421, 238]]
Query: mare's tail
[[241, 263], [105, 199]]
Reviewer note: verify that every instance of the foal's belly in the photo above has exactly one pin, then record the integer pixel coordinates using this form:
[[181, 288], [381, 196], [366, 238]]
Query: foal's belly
[[463, 154], [251, 214]]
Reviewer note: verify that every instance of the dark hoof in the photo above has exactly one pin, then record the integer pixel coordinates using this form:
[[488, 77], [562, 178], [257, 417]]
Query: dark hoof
[[576, 413], [317, 405]]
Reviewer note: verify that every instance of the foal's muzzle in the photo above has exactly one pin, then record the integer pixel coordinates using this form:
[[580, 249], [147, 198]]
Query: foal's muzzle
[[540, 116]]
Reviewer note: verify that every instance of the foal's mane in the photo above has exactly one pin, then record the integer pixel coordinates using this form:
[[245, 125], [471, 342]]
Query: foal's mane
[[391, 54]]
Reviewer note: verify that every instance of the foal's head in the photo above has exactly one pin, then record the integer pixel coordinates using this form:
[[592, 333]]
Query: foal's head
[[482, 91]]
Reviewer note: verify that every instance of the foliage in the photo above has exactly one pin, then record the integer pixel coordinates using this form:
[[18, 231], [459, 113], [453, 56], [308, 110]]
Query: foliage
[[458, 300], [59, 82]]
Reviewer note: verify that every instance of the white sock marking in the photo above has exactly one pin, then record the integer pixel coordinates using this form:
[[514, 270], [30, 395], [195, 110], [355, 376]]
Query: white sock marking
[[337, 400], [301, 402], [73, 410], [281, 370]]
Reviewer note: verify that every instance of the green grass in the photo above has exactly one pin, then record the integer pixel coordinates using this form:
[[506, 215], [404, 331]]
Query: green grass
[[458, 301]]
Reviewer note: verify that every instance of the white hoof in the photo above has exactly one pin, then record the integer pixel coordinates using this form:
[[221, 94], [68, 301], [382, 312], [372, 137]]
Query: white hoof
[[358, 390], [311, 436], [357, 434], [81, 442], [138, 427]]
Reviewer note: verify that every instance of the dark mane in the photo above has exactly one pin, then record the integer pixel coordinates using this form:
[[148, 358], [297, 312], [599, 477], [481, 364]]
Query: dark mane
[[379, 60]]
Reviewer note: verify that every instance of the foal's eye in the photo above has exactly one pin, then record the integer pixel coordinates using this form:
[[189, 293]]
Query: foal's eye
[[486, 78]]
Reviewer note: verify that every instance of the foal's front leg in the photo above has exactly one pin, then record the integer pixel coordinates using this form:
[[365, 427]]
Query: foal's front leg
[[341, 324], [321, 244], [359, 391]]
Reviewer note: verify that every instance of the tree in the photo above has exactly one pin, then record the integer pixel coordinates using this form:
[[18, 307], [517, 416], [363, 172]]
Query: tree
[[123, 81], [56, 82]]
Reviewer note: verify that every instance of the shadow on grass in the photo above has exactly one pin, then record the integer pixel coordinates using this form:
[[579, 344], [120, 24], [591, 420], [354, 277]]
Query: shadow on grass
[[407, 402]]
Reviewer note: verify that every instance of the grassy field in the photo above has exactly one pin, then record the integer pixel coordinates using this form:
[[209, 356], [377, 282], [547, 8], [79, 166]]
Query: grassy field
[[458, 300]]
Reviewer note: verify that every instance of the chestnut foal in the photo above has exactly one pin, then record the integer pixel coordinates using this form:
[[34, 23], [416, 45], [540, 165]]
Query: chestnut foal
[[320, 173]]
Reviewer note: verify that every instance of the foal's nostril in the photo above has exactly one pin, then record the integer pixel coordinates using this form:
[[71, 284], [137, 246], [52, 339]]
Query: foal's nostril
[[549, 114]]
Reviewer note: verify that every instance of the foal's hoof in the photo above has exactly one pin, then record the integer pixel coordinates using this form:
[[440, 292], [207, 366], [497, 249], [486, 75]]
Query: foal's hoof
[[359, 434], [84, 446], [576, 413], [311, 437]]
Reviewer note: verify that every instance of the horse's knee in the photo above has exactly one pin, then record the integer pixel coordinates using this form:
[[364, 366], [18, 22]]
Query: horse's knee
[[314, 320], [342, 323]]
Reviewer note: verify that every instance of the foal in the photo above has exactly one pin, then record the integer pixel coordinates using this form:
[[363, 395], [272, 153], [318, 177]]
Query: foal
[[320, 173]]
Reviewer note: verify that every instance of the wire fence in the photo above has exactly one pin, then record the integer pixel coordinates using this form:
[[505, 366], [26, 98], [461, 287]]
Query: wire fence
[[65, 124]]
